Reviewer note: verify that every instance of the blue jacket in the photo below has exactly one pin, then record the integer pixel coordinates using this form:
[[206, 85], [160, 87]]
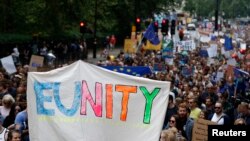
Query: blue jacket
[[189, 128]]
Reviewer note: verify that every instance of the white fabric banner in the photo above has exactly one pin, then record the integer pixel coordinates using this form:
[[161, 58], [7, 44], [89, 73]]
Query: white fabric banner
[[83, 102]]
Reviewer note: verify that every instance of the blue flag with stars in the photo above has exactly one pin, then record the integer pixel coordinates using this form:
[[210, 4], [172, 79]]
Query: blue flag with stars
[[239, 72], [151, 36], [130, 70], [228, 43]]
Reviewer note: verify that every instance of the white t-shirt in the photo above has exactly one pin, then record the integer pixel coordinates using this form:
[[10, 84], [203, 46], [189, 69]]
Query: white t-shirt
[[218, 119], [3, 134], [4, 111]]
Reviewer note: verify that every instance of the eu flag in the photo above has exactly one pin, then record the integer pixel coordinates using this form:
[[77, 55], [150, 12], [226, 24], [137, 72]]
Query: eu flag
[[228, 43], [151, 36], [203, 53], [130, 70], [238, 72]]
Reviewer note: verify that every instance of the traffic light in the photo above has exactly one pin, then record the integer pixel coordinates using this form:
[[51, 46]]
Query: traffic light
[[172, 27], [156, 27], [138, 25], [164, 26], [82, 27]]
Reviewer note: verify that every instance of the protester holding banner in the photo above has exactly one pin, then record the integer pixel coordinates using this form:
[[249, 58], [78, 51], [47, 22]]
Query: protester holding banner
[[207, 77]]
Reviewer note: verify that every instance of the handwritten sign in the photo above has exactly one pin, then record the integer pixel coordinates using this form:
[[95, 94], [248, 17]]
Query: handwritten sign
[[35, 62], [185, 45], [86, 102], [200, 129]]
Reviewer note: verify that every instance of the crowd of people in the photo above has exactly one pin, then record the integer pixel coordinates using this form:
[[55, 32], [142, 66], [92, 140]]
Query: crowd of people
[[225, 101], [13, 112]]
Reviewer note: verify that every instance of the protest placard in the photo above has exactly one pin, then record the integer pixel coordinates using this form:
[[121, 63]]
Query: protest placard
[[8, 64], [84, 102], [200, 129], [130, 45], [35, 61]]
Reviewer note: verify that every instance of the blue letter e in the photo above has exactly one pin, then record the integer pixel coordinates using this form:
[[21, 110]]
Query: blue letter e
[[40, 98]]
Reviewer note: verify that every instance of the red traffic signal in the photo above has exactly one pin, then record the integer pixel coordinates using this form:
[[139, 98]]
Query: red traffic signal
[[82, 24], [156, 27], [164, 26], [163, 21], [138, 25], [156, 24], [138, 20], [82, 27]]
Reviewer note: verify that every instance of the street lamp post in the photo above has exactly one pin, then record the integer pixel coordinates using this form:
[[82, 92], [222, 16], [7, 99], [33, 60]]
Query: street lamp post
[[95, 24], [216, 15]]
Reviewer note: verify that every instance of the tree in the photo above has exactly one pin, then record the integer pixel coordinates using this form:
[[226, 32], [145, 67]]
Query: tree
[[55, 18]]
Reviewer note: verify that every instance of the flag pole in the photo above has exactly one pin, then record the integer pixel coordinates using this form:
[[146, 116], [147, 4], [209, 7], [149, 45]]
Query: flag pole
[[139, 45]]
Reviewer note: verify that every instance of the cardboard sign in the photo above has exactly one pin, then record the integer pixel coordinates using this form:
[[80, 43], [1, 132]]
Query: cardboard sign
[[35, 61], [200, 129], [130, 46]]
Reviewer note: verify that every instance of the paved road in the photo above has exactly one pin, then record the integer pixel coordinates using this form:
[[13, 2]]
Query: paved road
[[92, 60]]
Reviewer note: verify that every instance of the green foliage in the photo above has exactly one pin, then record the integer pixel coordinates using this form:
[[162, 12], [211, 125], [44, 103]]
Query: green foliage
[[60, 18], [206, 8], [16, 38]]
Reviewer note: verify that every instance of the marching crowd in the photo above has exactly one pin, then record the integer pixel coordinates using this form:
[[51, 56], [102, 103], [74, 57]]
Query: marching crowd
[[225, 101]]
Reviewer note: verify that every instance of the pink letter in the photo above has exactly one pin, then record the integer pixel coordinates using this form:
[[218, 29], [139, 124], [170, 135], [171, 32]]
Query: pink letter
[[86, 95]]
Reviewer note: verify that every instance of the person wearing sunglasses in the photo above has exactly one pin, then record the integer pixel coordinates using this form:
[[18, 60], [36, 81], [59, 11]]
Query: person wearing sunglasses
[[219, 116], [172, 121]]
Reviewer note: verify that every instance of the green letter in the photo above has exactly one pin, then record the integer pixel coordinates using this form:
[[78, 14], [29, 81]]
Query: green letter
[[149, 101]]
